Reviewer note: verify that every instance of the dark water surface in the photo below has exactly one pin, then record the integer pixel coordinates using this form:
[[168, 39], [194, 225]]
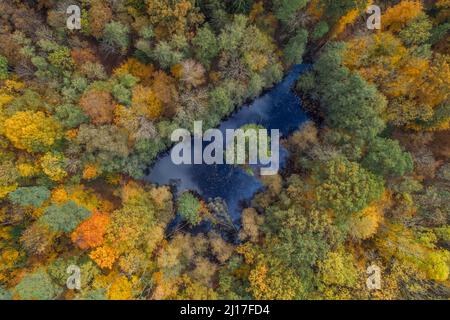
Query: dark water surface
[[279, 108]]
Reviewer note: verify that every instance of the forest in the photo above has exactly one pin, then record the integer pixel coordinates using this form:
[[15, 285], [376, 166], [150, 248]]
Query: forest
[[84, 113]]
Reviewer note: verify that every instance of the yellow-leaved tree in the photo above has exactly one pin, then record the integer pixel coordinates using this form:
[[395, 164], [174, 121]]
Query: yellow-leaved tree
[[398, 16], [146, 103], [32, 131]]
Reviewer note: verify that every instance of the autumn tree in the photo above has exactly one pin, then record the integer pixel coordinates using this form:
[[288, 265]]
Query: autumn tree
[[364, 224], [173, 17], [345, 186], [396, 17], [146, 103], [32, 131], [38, 239], [90, 233], [54, 165], [104, 256], [99, 15], [98, 105], [192, 73], [397, 241]]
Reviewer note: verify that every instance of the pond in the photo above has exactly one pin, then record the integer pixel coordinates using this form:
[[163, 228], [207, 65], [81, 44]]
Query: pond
[[279, 108]]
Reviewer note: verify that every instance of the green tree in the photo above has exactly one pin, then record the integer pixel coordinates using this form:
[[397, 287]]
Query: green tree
[[5, 294], [417, 31], [345, 186], [3, 68], [294, 50], [70, 116], [286, 9], [336, 9], [205, 45], [320, 29], [30, 196], [116, 37], [64, 217], [386, 158], [37, 286], [165, 55], [351, 104], [189, 208]]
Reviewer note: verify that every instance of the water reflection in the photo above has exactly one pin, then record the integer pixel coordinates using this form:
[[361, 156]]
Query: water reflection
[[279, 109]]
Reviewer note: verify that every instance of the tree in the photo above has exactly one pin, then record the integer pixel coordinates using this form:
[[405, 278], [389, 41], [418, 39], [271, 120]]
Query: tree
[[165, 55], [192, 73], [137, 228], [90, 233], [171, 17], [189, 208], [37, 239], [32, 131], [397, 241], [61, 59], [205, 45], [116, 37], [273, 280], [30, 196], [99, 15], [395, 18], [345, 186], [5, 294], [3, 68], [293, 52], [104, 256], [54, 165], [57, 270], [364, 224], [109, 144], [137, 69], [165, 89], [334, 10], [70, 116], [285, 9], [120, 289], [386, 158], [417, 31], [37, 286], [351, 104], [251, 222], [64, 218], [98, 105], [146, 103], [338, 268], [320, 30], [220, 101]]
